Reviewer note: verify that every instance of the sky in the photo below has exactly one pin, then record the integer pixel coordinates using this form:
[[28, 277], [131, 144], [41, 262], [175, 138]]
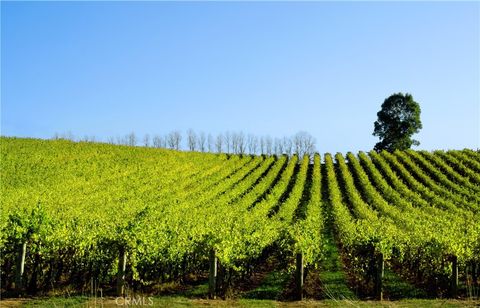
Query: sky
[[267, 68]]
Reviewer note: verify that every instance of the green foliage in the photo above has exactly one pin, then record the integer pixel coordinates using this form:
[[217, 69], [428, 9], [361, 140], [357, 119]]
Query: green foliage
[[398, 120], [24, 225], [76, 205], [307, 232]]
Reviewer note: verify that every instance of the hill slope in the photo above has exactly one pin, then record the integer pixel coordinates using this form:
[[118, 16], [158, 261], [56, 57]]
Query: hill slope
[[80, 208]]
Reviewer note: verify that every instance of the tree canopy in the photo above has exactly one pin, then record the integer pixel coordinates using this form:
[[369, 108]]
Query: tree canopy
[[398, 120]]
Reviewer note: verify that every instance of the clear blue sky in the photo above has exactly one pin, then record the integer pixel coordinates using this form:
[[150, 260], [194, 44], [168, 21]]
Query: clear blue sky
[[107, 69]]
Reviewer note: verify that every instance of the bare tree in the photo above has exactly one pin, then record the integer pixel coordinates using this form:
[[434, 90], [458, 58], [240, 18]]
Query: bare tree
[[157, 141], [281, 149], [201, 141], [262, 145], [87, 138], [234, 143], [178, 139], [297, 143], [241, 144], [146, 140], [309, 144], [238, 143], [171, 140], [252, 143], [287, 146], [69, 136], [65, 136], [191, 140], [174, 139], [210, 143], [304, 144], [111, 140], [227, 141], [219, 143], [268, 145], [277, 146], [131, 139], [121, 140]]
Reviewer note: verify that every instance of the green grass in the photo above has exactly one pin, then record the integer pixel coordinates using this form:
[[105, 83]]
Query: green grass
[[332, 276], [76, 301], [395, 287], [334, 285], [179, 301], [200, 290], [270, 288]]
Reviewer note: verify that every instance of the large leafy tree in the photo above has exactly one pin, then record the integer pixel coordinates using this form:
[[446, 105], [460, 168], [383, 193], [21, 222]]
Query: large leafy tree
[[398, 120]]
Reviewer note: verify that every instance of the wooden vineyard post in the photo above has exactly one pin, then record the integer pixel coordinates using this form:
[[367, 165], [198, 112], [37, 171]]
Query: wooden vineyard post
[[474, 272], [22, 251], [122, 266], [454, 277], [380, 269], [299, 276], [212, 279]]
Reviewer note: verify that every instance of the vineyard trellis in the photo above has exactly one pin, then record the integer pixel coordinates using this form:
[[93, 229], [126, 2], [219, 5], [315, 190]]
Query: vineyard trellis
[[129, 216]]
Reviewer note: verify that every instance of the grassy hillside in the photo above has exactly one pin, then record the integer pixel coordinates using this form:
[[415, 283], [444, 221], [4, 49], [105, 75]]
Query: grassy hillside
[[85, 211]]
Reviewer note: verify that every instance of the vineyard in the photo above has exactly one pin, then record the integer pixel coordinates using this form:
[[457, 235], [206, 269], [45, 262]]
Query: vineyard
[[129, 218]]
